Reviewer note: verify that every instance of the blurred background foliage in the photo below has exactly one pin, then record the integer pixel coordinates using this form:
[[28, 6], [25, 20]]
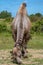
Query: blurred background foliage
[[6, 19]]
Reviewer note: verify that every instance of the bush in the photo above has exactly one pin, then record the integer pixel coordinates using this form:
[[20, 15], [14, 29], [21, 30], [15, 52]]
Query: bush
[[3, 27], [35, 17], [37, 27], [8, 19], [5, 14]]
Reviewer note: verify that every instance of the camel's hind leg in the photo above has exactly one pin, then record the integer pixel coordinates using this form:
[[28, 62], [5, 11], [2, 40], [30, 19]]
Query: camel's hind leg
[[24, 45], [24, 49]]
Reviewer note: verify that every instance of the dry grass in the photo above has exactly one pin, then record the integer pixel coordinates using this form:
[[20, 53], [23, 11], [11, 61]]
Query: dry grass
[[35, 57]]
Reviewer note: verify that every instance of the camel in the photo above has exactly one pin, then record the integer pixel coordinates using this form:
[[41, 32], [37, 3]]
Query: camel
[[21, 26]]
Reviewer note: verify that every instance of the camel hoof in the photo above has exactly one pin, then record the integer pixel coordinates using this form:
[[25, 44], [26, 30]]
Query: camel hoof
[[19, 61], [25, 55]]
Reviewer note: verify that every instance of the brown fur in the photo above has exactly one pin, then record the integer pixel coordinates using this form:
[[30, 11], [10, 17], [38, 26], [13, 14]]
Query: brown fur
[[21, 35]]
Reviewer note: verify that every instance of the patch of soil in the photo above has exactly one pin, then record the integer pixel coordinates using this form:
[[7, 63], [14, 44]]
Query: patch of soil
[[33, 54]]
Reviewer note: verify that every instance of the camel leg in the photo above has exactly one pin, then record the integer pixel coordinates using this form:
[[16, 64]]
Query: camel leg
[[24, 50], [17, 54], [24, 46]]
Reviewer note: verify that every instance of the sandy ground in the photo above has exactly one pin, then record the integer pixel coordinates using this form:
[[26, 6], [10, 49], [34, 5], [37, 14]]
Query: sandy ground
[[35, 57]]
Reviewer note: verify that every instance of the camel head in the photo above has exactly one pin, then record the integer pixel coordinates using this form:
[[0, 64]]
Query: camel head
[[22, 9]]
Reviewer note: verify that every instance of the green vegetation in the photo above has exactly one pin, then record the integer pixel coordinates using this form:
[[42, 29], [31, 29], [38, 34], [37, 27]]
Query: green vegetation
[[6, 41], [37, 26], [36, 42], [5, 14]]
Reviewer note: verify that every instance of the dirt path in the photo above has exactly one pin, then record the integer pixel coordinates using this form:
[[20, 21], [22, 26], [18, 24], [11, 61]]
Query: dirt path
[[35, 57]]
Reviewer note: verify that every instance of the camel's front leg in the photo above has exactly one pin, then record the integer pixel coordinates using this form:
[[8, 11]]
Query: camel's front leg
[[17, 54]]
